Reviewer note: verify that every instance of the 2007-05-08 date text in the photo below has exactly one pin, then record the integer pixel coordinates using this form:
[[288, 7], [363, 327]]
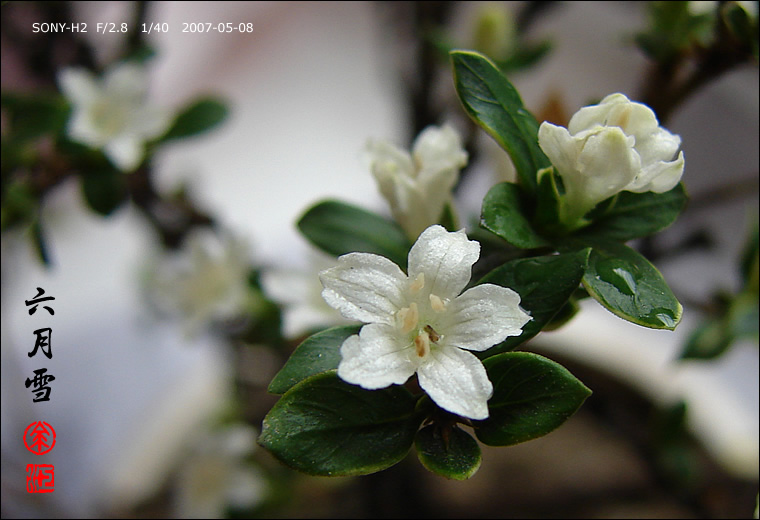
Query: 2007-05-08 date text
[[206, 27]]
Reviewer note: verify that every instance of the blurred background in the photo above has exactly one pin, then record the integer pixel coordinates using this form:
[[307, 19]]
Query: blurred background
[[157, 417]]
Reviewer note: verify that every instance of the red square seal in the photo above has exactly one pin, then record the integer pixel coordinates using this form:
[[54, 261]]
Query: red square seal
[[40, 478]]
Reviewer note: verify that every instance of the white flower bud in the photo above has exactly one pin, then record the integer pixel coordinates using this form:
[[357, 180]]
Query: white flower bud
[[418, 186], [614, 146]]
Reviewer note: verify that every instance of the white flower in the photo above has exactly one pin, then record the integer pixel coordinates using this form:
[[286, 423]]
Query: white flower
[[112, 113], [206, 280], [420, 322], [299, 294], [614, 146], [215, 475], [418, 186]]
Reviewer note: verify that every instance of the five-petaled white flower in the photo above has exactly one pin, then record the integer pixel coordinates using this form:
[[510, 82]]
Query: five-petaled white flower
[[420, 322], [205, 281], [614, 146], [112, 114], [418, 186]]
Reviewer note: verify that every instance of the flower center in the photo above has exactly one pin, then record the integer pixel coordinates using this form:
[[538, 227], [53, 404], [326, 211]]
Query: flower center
[[411, 320], [423, 340]]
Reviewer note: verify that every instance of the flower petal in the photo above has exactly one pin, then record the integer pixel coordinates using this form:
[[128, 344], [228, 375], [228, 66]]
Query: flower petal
[[482, 317], [377, 357], [125, 151], [658, 145], [387, 161], [609, 164], [365, 287], [659, 177], [150, 122], [437, 149], [446, 260], [560, 147], [456, 381], [79, 86], [127, 82]]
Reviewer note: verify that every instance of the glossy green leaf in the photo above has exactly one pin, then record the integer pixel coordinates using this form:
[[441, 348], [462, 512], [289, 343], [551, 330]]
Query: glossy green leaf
[[338, 228], [502, 214], [317, 353], [532, 396], [104, 189], [325, 426], [201, 116], [629, 286], [635, 215], [491, 100], [544, 283], [448, 451]]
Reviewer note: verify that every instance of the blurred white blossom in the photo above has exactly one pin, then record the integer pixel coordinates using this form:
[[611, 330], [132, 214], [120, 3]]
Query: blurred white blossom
[[215, 475], [420, 323], [418, 186], [205, 281], [111, 113], [614, 146], [299, 293]]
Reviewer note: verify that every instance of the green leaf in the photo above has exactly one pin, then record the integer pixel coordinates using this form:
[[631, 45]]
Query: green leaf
[[502, 214], [708, 341], [31, 116], [338, 228], [544, 283], [742, 317], [629, 286], [317, 353], [104, 189], [532, 396], [548, 203], [325, 426], [635, 215], [201, 116], [491, 100], [564, 315], [448, 451], [20, 204]]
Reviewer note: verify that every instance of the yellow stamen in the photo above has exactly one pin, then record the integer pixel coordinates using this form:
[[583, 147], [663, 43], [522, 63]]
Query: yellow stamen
[[436, 303], [418, 284], [422, 344], [409, 316]]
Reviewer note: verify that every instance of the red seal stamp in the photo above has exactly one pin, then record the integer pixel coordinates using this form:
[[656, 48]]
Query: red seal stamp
[[39, 437], [40, 478]]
